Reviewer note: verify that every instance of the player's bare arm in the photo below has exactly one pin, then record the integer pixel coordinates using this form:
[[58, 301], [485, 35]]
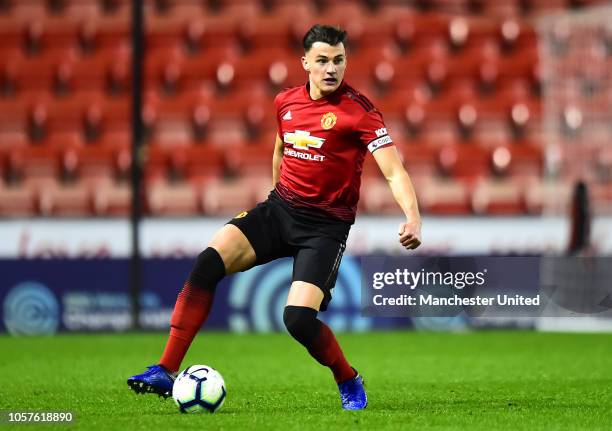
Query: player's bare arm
[[277, 157], [399, 181]]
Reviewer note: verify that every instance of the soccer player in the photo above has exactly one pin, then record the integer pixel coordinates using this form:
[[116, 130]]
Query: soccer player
[[325, 129]]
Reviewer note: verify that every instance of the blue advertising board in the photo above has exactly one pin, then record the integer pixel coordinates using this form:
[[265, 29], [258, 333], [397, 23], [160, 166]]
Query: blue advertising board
[[372, 292], [46, 296]]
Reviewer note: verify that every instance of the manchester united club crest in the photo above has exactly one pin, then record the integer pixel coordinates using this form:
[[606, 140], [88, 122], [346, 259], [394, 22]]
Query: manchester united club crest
[[328, 120]]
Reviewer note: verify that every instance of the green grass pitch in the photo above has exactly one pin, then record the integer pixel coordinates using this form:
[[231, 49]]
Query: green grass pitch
[[484, 380]]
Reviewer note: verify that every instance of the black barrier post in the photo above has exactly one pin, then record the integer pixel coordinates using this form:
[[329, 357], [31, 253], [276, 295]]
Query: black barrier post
[[136, 172]]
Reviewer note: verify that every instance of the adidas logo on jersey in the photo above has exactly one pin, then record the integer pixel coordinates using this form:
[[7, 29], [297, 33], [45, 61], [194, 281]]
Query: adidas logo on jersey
[[287, 116]]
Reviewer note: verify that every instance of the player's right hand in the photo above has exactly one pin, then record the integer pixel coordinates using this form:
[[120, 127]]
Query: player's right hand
[[410, 234]]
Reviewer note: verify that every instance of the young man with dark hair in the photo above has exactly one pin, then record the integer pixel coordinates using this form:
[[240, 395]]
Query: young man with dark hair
[[325, 128]]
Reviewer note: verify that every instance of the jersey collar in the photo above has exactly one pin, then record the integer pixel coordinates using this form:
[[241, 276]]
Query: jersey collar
[[338, 91]]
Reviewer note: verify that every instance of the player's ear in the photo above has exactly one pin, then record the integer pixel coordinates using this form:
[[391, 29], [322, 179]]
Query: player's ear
[[305, 64]]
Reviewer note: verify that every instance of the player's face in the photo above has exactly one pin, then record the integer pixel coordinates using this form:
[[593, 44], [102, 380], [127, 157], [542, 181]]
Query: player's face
[[326, 65]]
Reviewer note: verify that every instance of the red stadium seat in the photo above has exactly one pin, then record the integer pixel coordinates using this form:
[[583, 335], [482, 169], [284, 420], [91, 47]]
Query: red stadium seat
[[172, 199], [376, 197], [157, 164], [450, 6], [251, 160], [527, 159], [241, 9], [228, 197], [80, 9], [470, 32], [10, 59], [106, 32], [229, 121], [64, 115], [73, 200], [41, 72], [271, 65], [185, 8], [475, 64], [295, 11], [35, 162], [52, 32], [116, 7], [494, 8], [444, 197], [120, 143], [465, 161], [366, 66], [115, 114], [179, 120], [162, 68], [522, 64], [371, 169], [18, 201], [347, 14], [220, 32], [260, 121], [493, 122], [95, 162], [198, 163], [419, 158], [265, 31], [516, 34], [398, 102], [204, 68], [377, 31], [14, 122], [112, 200], [425, 62], [498, 196], [412, 31], [548, 196], [13, 31], [105, 70], [449, 120], [164, 31], [20, 9]]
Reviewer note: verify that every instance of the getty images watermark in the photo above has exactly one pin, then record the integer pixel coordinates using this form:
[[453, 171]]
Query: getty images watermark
[[453, 280], [485, 286]]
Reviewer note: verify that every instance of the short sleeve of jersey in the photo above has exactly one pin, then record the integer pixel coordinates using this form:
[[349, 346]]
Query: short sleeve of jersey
[[372, 131]]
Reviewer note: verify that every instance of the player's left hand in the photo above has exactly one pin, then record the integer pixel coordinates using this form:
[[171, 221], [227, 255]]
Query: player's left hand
[[410, 234]]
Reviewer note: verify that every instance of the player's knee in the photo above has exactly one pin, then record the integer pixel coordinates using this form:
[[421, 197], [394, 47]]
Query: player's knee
[[302, 323], [208, 270]]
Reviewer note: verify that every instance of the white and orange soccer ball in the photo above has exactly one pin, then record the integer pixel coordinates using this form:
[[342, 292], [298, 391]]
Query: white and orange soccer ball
[[199, 389]]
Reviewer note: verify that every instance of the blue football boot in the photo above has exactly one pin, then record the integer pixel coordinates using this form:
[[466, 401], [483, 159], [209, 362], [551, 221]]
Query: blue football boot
[[155, 380], [353, 394]]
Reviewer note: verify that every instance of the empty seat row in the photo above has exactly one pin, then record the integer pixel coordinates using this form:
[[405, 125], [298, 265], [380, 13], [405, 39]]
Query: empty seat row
[[64, 72], [509, 196], [106, 198], [203, 163], [198, 33], [200, 117]]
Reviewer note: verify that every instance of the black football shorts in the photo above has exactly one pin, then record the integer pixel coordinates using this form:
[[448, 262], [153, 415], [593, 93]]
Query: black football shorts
[[315, 241]]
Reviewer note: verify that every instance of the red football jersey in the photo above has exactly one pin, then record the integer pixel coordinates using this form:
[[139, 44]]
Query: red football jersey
[[325, 143]]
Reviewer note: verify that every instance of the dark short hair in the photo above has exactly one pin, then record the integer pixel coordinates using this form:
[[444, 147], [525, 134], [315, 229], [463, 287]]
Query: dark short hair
[[323, 33]]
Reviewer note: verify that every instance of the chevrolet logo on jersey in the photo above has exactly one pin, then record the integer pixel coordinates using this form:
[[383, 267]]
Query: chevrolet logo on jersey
[[301, 140]]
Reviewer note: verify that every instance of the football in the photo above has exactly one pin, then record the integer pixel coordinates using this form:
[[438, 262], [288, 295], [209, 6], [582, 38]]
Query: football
[[199, 389]]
